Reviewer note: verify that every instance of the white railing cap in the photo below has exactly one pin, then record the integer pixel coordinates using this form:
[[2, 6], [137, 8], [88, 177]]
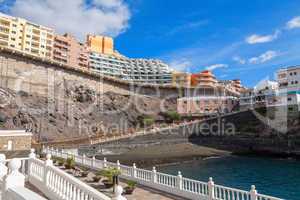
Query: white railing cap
[[7, 133]]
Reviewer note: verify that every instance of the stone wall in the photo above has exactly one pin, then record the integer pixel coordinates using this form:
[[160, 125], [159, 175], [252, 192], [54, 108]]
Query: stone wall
[[19, 143], [21, 73]]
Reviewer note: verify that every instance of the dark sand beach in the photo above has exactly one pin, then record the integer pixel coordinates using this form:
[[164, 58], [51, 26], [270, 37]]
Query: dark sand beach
[[165, 154]]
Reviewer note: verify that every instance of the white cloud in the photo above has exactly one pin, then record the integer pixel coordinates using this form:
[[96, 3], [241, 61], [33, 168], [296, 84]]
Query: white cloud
[[269, 55], [109, 17], [216, 66], [294, 23], [180, 65], [254, 39], [239, 60], [108, 3]]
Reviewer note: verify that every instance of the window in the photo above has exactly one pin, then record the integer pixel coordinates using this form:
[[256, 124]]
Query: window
[[291, 74], [292, 82], [295, 73], [13, 39], [296, 82], [289, 99]]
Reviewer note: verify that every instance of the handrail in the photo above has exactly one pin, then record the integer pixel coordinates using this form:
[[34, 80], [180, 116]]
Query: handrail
[[56, 184], [178, 185]]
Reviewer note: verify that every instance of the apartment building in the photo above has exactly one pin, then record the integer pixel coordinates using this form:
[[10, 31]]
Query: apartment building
[[67, 50], [206, 105], [289, 79], [204, 79], [22, 35], [137, 70], [233, 85], [289, 86], [181, 79], [100, 44], [265, 93]]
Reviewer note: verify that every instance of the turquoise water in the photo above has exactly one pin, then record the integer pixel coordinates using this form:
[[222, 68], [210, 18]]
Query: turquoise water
[[276, 177]]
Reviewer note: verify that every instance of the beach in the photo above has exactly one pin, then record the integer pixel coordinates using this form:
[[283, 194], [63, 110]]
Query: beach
[[165, 154]]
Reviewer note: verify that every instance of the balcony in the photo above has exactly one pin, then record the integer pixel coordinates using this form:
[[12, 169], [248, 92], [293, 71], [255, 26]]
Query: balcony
[[4, 23], [52, 182]]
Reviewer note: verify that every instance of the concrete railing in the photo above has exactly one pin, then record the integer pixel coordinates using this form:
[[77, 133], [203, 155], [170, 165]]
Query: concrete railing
[[12, 180], [177, 185], [53, 182]]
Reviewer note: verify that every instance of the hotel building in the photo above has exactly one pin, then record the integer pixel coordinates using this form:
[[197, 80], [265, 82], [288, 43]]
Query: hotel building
[[22, 35], [207, 96], [136, 70], [67, 50], [181, 79], [206, 105], [204, 79]]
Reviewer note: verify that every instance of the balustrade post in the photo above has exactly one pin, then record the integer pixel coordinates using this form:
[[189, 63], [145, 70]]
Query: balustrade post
[[134, 170], [83, 159], [3, 168], [179, 181], [211, 189], [56, 152], [118, 165], [93, 162], [253, 193], [14, 178], [48, 161], [154, 175], [104, 163], [62, 153], [32, 154], [118, 193]]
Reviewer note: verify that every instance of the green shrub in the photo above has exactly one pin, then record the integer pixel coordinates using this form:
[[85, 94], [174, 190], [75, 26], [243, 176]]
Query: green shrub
[[131, 184], [171, 116], [70, 163], [109, 173], [60, 161], [148, 121]]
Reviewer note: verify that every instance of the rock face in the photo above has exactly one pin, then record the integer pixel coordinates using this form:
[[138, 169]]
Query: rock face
[[57, 103], [78, 111]]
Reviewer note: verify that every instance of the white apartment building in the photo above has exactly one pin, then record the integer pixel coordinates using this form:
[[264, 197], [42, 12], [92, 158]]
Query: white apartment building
[[137, 70], [21, 35], [289, 85], [265, 93]]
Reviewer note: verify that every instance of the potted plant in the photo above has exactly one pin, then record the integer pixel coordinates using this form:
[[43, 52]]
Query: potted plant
[[70, 163], [131, 185], [60, 161], [111, 175]]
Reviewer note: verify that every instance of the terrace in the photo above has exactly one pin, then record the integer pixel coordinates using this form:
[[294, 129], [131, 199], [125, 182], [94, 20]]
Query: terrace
[[33, 179]]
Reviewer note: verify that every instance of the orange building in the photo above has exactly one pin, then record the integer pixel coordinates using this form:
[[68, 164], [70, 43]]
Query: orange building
[[100, 44], [204, 78], [181, 79], [69, 51]]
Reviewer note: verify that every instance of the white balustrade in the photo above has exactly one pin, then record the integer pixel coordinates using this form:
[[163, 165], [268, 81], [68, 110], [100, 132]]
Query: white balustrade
[[178, 185], [56, 184]]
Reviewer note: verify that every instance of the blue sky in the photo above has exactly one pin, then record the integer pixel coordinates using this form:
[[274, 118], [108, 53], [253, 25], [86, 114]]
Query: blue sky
[[236, 39]]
